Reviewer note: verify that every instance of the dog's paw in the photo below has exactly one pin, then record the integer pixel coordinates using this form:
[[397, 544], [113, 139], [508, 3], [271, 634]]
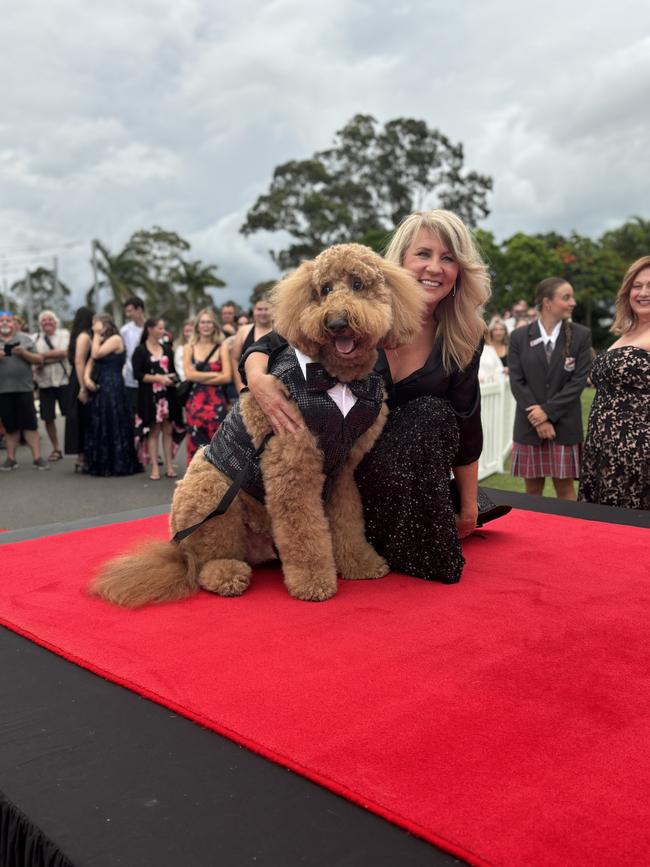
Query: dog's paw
[[225, 577], [309, 586], [362, 568]]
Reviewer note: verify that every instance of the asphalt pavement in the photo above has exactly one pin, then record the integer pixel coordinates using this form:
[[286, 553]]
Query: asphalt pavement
[[32, 498]]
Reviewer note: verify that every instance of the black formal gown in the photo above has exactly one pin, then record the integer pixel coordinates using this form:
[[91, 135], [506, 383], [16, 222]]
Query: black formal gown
[[110, 442], [433, 425]]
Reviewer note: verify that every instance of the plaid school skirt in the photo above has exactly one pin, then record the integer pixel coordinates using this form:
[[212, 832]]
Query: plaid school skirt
[[546, 459]]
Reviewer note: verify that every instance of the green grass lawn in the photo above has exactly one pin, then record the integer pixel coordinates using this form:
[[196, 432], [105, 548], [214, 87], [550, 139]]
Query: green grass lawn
[[506, 482]]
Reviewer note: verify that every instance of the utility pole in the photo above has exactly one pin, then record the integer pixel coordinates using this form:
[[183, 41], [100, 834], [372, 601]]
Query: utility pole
[[93, 253], [30, 302], [5, 295], [55, 280]]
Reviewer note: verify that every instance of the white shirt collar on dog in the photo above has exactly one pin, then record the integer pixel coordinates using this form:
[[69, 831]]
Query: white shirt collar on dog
[[340, 393]]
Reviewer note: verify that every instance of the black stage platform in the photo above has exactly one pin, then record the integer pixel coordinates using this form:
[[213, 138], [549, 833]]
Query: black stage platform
[[92, 774]]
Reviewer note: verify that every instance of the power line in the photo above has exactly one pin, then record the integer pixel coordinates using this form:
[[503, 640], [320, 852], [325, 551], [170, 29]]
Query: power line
[[34, 250]]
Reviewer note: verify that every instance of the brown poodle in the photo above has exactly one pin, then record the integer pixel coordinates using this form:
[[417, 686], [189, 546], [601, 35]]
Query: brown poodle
[[300, 494]]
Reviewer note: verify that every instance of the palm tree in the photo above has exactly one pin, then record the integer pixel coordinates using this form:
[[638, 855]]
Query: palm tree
[[195, 278], [124, 274]]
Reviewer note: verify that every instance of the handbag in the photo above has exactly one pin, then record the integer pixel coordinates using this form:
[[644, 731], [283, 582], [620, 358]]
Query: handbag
[[184, 389]]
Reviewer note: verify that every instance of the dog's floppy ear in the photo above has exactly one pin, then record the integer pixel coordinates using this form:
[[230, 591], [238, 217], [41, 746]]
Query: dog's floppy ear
[[408, 300], [289, 298]]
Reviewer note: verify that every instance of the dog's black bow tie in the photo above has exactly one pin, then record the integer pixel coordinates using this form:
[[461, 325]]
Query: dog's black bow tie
[[318, 379]]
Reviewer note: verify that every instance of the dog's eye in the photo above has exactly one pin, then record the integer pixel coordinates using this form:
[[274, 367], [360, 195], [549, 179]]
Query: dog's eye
[[357, 285], [326, 289]]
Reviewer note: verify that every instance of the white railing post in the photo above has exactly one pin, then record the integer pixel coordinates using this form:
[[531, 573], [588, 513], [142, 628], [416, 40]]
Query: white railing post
[[497, 417]]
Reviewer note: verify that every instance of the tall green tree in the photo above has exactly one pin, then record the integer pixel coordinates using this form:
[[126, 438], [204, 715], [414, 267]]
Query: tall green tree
[[526, 260], [122, 274], [493, 257], [41, 290], [368, 180], [630, 241], [194, 279], [595, 272], [161, 252]]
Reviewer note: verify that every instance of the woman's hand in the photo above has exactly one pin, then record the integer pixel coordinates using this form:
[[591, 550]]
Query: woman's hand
[[90, 385], [466, 521], [536, 415], [270, 394], [82, 397], [98, 328], [545, 431], [165, 379]]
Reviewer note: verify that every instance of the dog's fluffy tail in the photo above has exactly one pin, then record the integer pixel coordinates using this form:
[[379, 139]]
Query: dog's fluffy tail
[[158, 572]]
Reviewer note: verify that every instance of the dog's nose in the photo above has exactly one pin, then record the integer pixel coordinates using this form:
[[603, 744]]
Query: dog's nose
[[337, 325]]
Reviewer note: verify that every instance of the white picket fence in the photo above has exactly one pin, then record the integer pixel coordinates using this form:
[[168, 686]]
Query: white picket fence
[[497, 417]]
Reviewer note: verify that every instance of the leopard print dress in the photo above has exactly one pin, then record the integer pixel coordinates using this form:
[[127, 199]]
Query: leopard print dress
[[616, 458]]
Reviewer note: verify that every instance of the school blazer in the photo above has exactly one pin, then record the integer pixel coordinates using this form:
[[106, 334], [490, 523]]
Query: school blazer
[[556, 387]]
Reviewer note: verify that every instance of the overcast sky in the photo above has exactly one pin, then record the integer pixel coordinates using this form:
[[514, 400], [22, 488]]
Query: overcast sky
[[125, 114]]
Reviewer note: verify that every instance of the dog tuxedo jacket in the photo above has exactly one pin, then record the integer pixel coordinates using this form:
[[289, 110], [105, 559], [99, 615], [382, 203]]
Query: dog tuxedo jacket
[[232, 449]]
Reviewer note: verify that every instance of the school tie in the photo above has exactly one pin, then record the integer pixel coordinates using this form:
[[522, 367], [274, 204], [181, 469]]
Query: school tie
[[549, 350]]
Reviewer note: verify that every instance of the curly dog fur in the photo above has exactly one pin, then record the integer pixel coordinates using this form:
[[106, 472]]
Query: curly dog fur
[[336, 309]]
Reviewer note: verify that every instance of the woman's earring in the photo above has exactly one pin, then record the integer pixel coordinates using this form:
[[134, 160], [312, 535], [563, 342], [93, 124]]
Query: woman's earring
[[453, 291]]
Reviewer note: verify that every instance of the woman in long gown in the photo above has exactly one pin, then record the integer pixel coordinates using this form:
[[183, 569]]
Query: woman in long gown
[[435, 424], [76, 420], [616, 461], [109, 447]]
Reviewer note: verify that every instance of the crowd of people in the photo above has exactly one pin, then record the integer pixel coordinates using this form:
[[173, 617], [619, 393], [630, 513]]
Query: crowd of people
[[118, 388], [130, 395], [547, 360]]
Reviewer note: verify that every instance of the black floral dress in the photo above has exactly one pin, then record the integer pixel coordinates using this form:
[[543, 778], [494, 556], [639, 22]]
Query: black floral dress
[[616, 462], [156, 403]]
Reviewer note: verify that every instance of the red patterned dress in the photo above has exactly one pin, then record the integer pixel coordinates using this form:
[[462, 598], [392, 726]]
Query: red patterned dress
[[204, 411]]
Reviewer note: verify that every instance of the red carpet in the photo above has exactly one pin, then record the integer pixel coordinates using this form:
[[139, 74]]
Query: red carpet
[[505, 719]]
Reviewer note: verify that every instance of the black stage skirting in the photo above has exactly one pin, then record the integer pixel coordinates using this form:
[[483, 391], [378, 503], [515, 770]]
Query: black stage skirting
[[92, 774]]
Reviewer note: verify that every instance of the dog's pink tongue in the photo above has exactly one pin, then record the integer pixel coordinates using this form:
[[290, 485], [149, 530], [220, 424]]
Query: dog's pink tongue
[[344, 345]]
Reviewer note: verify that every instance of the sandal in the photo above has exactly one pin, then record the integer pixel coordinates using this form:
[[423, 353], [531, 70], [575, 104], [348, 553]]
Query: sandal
[[171, 474], [57, 455], [154, 478]]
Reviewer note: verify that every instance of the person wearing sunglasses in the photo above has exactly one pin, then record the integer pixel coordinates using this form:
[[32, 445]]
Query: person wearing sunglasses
[[17, 355]]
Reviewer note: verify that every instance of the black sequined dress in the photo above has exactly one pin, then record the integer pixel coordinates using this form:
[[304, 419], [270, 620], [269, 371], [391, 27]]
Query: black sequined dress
[[616, 456], [110, 441], [434, 424]]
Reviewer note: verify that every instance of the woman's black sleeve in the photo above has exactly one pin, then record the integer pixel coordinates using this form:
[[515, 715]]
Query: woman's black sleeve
[[465, 397], [169, 352], [269, 345], [139, 363]]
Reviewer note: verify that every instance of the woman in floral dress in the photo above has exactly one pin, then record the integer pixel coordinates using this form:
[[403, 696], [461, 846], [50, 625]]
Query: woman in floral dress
[[616, 467], [158, 411], [206, 363]]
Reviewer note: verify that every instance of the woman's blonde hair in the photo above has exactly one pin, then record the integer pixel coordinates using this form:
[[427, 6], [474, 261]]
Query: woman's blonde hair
[[180, 340], [218, 335], [460, 314], [495, 322], [625, 318]]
